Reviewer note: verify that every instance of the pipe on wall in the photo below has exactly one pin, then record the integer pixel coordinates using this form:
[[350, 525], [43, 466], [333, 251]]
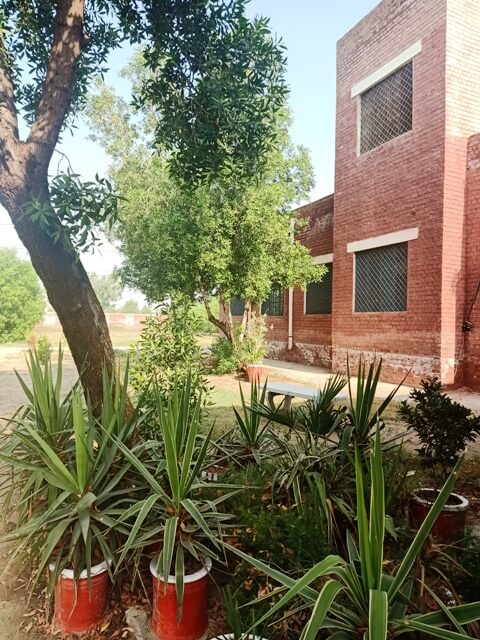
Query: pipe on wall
[[290, 319], [290, 295]]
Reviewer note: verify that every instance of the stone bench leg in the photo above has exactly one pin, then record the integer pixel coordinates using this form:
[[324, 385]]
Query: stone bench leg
[[283, 407]]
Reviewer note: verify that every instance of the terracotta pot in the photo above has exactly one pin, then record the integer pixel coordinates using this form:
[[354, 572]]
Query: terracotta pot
[[80, 604], [193, 625], [450, 524], [255, 372]]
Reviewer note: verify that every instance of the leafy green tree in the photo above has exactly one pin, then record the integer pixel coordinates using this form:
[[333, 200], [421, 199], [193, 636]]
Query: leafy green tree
[[130, 306], [225, 239], [108, 289], [215, 100], [22, 302]]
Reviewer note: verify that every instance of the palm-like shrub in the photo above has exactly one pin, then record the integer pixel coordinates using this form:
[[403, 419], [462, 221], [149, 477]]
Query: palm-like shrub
[[68, 485], [356, 598], [175, 513], [251, 439]]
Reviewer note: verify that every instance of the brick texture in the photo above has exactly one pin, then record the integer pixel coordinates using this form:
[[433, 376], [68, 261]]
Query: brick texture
[[428, 178], [312, 334], [397, 186]]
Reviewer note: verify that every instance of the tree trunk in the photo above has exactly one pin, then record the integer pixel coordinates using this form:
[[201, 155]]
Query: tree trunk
[[68, 289], [224, 322], [24, 177], [247, 314]]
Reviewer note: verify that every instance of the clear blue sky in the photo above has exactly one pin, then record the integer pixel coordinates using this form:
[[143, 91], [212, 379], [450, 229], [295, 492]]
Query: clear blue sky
[[310, 30]]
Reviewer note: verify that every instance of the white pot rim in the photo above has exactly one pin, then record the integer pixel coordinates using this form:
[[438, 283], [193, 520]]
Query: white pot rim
[[230, 636], [463, 503], [96, 570], [190, 577]]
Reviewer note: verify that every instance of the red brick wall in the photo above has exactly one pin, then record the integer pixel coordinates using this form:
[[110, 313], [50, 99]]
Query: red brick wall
[[312, 334], [471, 339], [427, 178], [396, 186], [462, 120]]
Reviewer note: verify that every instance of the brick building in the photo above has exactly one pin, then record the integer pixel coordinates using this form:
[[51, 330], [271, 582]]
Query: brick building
[[401, 233]]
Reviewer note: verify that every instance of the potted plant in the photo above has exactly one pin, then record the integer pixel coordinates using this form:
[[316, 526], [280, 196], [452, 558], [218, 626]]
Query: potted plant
[[354, 598], [444, 428], [180, 516], [69, 491], [252, 348]]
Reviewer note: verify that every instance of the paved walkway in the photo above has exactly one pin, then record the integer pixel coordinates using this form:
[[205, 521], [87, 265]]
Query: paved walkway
[[317, 376]]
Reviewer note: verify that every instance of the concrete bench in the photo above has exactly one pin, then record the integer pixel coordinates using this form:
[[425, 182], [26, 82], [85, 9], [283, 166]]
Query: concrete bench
[[289, 391]]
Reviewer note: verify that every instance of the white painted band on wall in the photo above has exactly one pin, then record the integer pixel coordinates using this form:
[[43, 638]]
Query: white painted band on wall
[[387, 69], [323, 259], [383, 241], [290, 319]]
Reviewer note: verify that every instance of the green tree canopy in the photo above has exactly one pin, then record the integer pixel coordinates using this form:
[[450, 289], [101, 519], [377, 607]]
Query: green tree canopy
[[223, 238], [214, 87], [22, 302], [108, 288]]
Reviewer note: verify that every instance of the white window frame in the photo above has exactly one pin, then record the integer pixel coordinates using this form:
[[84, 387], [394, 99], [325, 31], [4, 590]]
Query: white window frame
[[390, 67], [326, 258], [376, 242], [377, 76]]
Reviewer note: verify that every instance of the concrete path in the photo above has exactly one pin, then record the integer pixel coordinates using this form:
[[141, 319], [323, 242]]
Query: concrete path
[[317, 376]]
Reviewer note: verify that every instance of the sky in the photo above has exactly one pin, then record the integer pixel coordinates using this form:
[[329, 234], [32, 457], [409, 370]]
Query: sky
[[310, 30]]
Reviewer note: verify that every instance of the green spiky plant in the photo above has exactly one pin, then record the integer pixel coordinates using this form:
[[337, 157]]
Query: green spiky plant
[[362, 418], [67, 474], [356, 599], [186, 522], [49, 412]]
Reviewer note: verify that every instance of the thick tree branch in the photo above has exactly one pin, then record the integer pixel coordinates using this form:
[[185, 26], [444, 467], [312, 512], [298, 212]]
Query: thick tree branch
[[8, 112], [59, 81], [223, 326]]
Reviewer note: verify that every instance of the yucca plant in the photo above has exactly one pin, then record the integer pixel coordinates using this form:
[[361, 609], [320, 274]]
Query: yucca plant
[[318, 416], [71, 478], [251, 439], [362, 417], [177, 512], [49, 412], [356, 598]]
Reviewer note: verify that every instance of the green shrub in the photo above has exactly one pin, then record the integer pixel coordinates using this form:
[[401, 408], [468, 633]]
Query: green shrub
[[223, 356], [444, 427], [168, 353], [44, 349], [228, 357]]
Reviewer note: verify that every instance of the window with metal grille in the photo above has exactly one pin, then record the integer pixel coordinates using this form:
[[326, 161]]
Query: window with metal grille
[[273, 305], [237, 306], [381, 278], [318, 296], [386, 109]]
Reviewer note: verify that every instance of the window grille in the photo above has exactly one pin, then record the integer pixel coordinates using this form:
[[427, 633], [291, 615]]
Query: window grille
[[237, 306], [386, 109], [318, 297], [273, 305], [381, 278]]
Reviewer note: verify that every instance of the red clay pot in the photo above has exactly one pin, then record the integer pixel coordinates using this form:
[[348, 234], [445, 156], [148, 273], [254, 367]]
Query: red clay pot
[[450, 524], [193, 625], [255, 372], [80, 606]]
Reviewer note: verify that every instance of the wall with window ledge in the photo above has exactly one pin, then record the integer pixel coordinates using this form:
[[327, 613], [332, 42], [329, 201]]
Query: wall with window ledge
[[427, 178], [398, 185]]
